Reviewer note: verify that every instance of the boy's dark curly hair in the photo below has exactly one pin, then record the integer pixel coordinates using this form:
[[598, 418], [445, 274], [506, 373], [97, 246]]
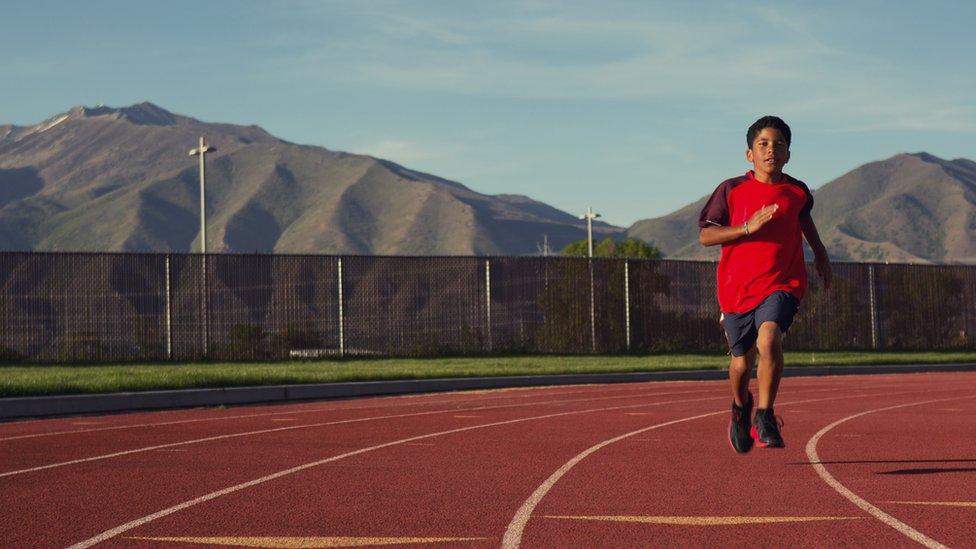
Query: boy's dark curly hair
[[768, 122]]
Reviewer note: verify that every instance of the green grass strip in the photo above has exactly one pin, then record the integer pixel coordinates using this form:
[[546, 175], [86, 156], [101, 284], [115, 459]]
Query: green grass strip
[[37, 380]]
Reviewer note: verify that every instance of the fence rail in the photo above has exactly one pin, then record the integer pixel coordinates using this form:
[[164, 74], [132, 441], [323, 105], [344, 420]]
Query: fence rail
[[105, 307]]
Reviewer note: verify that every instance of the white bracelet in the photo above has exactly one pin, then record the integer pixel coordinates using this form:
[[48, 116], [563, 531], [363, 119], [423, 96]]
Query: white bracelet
[[746, 227]]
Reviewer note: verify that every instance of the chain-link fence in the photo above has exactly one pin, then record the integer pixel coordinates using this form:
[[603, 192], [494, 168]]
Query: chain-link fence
[[70, 307]]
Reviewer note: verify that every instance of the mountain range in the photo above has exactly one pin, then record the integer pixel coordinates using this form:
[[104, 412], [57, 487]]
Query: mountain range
[[120, 179], [910, 208]]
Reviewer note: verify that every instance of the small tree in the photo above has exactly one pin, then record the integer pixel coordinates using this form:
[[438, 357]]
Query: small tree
[[576, 249], [632, 247], [605, 248]]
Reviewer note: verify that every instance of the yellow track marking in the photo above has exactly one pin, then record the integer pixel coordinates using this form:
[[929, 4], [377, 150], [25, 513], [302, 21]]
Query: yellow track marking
[[701, 521], [939, 503], [305, 542]]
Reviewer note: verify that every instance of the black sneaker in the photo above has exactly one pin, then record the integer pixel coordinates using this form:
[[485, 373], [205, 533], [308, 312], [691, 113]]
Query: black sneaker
[[765, 429], [739, 435]]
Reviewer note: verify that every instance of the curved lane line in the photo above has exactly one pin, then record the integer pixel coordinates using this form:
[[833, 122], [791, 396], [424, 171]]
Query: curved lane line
[[513, 534], [108, 534], [313, 425], [877, 513]]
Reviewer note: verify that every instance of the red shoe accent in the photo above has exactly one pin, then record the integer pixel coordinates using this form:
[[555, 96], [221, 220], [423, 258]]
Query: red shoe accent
[[755, 436]]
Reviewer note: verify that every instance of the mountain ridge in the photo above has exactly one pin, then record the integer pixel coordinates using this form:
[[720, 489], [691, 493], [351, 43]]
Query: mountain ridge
[[119, 179], [911, 207]]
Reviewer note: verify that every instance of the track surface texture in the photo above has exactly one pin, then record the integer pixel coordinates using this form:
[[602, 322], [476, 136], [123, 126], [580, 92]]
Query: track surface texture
[[870, 461]]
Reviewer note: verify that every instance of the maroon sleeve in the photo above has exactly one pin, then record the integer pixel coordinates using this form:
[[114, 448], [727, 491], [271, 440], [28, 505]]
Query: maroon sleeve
[[809, 205], [806, 191], [716, 210]]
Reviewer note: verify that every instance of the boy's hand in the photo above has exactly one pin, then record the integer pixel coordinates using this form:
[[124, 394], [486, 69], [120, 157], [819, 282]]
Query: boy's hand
[[822, 263], [761, 217]]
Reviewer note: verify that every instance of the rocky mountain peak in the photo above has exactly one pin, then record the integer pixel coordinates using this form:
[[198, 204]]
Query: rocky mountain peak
[[144, 113]]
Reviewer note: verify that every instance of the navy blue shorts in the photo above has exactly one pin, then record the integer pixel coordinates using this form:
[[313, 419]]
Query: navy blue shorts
[[742, 329]]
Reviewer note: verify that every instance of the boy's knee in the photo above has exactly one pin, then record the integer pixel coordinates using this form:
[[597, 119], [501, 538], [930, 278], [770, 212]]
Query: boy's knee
[[743, 363], [770, 337]]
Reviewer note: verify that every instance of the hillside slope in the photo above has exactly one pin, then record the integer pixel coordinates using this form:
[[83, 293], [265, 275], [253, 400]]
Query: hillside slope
[[107, 179], [912, 208]]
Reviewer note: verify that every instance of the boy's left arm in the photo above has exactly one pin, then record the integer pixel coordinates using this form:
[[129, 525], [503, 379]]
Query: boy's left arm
[[821, 261]]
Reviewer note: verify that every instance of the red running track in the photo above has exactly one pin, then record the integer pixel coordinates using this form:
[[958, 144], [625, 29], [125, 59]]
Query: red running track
[[881, 461]]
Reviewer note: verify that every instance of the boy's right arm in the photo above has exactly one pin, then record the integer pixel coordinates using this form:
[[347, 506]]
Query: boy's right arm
[[711, 236]]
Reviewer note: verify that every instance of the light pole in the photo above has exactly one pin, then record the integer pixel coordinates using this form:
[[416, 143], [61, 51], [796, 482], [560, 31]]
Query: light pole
[[589, 216], [201, 151]]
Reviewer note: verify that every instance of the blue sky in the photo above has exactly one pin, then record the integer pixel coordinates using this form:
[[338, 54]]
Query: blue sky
[[636, 108]]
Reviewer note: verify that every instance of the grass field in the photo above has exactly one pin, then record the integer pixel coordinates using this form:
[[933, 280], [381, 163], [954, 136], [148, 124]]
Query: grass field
[[36, 380]]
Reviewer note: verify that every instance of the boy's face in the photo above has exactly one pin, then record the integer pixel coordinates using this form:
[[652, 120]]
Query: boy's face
[[769, 152]]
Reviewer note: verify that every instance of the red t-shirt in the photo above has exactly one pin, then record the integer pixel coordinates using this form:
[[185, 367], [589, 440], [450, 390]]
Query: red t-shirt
[[754, 266]]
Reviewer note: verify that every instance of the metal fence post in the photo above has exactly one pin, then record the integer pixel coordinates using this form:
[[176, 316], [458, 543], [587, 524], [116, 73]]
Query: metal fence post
[[592, 311], [342, 338], [169, 314], [206, 307], [488, 300], [627, 300], [874, 307]]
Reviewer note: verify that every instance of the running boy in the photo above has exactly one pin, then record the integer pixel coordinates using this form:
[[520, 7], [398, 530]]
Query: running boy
[[759, 218]]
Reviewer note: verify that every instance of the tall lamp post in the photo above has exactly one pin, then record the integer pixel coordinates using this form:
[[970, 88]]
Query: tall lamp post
[[201, 151], [589, 216]]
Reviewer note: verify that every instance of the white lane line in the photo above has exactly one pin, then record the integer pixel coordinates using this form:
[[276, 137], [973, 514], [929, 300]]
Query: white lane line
[[513, 534], [314, 410], [341, 422], [313, 425], [877, 513], [108, 534], [534, 393]]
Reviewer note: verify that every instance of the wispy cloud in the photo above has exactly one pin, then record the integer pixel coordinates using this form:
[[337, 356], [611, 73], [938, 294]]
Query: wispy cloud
[[402, 151], [570, 54]]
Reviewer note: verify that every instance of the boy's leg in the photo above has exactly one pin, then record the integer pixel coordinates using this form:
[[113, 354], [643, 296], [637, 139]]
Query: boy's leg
[[740, 331], [774, 316], [739, 369], [740, 424], [770, 346]]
